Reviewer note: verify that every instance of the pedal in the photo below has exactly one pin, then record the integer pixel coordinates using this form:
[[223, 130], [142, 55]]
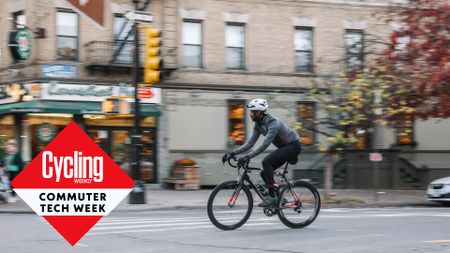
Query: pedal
[[269, 211]]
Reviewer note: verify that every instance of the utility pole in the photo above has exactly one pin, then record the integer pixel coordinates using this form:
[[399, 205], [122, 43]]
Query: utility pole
[[137, 195]]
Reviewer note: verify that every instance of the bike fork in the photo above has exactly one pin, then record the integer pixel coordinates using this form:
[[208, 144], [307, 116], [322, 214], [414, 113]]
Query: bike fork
[[235, 195]]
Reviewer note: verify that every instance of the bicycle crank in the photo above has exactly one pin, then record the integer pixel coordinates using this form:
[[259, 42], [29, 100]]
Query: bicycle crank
[[269, 211]]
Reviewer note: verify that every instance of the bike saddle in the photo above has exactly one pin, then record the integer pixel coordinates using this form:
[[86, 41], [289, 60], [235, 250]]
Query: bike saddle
[[293, 161]]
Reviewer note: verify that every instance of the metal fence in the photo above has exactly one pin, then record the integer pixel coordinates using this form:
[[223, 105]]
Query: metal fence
[[399, 169], [102, 52]]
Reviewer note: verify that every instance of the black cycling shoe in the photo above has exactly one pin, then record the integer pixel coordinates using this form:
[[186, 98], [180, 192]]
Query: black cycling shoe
[[268, 201]]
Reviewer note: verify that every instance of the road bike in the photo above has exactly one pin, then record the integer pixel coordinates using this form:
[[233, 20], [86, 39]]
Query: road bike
[[231, 203]]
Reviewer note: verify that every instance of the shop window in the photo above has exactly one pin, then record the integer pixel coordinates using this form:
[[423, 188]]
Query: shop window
[[404, 132], [147, 155], [112, 134], [306, 116], [236, 122], [6, 132], [43, 128]]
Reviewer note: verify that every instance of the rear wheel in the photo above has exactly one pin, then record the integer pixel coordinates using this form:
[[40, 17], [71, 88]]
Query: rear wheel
[[230, 205], [299, 204]]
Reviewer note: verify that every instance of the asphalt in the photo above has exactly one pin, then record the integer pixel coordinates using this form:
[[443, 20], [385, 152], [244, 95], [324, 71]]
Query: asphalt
[[158, 198]]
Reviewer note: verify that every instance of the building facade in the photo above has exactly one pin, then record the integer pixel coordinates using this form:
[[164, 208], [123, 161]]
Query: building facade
[[229, 52], [218, 55], [69, 71]]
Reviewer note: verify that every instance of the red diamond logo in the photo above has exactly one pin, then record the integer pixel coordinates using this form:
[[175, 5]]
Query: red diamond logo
[[72, 183]]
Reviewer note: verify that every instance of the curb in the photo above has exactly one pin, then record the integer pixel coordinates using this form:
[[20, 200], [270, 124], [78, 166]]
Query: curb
[[130, 209]]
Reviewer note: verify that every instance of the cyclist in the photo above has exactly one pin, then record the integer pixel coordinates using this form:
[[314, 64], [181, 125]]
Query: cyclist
[[276, 132]]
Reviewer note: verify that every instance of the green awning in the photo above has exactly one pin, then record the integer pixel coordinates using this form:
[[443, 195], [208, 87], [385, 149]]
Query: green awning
[[69, 107]]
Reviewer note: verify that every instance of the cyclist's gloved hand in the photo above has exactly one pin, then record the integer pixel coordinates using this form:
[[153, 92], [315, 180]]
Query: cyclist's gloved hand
[[243, 160], [227, 156]]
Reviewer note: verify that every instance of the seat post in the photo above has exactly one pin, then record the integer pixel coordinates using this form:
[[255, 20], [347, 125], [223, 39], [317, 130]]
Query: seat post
[[285, 168]]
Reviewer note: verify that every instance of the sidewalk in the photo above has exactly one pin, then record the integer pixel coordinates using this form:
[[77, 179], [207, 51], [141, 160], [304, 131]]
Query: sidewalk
[[164, 199]]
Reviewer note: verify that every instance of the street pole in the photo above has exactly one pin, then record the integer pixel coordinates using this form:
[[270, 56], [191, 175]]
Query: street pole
[[137, 195], [377, 145]]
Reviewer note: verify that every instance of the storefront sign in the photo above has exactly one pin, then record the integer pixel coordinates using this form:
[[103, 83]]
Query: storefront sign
[[45, 132], [55, 89], [75, 92], [60, 71], [94, 93], [20, 44], [145, 92], [72, 183], [13, 92]]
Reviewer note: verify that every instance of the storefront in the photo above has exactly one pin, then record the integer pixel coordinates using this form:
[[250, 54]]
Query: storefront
[[35, 113]]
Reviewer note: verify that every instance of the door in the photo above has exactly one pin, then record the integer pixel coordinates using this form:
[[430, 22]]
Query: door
[[116, 143], [101, 138]]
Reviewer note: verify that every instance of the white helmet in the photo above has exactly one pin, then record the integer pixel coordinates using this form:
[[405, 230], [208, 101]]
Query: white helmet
[[258, 105]]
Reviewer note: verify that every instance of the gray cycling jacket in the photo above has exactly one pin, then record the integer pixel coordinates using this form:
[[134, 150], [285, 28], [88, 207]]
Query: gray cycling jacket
[[274, 130]]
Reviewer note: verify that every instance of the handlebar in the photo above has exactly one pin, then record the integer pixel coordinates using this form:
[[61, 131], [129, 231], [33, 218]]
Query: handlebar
[[245, 167], [233, 158]]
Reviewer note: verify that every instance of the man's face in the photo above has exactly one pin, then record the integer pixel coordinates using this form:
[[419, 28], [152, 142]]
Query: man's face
[[11, 148], [255, 115]]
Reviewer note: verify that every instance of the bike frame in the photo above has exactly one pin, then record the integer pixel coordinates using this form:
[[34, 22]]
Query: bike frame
[[243, 177]]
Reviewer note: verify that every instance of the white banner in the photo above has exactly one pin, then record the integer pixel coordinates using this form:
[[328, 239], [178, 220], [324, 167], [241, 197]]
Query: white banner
[[72, 202], [92, 92], [10, 93]]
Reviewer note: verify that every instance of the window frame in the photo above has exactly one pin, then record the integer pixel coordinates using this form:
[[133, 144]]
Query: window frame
[[68, 36], [313, 118], [311, 58], [236, 102], [198, 21], [243, 67], [361, 54]]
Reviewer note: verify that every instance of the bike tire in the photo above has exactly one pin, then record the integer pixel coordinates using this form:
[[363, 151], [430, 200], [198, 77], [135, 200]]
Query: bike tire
[[282, 211], [226, 186]]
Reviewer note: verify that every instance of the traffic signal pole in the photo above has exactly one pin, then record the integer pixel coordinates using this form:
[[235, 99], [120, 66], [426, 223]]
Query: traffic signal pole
[[137, 195]]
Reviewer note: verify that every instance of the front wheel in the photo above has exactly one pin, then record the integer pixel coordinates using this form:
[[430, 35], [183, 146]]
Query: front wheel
[[230, 205], [299, 204]]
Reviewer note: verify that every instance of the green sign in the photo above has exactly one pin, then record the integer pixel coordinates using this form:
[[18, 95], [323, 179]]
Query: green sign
[[45, 132], [20, 44]]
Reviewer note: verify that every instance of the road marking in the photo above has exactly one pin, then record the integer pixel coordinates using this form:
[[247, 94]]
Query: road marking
[[149, 220], [163, 223], [172, 229], [438, 241]]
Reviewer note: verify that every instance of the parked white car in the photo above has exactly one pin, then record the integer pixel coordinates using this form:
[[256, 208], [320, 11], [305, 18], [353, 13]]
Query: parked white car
[[439, 190]]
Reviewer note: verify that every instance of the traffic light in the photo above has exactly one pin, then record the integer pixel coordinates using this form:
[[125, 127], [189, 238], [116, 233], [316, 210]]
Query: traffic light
[[152, 62]]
